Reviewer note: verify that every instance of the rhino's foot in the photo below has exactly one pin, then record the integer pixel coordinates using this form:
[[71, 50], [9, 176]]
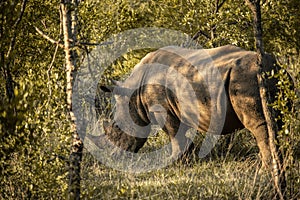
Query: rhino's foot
[[188, 157]]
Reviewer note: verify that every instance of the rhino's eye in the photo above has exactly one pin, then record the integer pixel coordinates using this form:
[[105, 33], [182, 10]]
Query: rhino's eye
[[116, 126]]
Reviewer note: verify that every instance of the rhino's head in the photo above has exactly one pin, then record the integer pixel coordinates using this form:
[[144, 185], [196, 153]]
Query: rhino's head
[[126, 130]]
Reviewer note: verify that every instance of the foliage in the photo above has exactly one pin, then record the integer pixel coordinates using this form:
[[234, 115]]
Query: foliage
[[34, 127], [288, 103]]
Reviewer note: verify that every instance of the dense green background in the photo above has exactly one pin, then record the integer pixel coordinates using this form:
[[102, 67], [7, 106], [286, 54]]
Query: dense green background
[[34, 128]]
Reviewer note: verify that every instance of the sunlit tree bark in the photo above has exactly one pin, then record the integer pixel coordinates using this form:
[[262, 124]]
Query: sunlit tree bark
[[276, 163], [68, 10]]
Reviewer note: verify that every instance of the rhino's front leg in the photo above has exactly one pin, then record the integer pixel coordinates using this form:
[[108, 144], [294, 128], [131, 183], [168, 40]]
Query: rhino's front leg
[[181, 145]]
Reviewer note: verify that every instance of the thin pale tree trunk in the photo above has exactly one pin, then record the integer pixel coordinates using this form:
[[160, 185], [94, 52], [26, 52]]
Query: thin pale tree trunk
[[276, 165], [69, 35]]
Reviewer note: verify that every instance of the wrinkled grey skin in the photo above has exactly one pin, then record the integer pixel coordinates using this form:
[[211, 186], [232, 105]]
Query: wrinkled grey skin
[[179, 88]]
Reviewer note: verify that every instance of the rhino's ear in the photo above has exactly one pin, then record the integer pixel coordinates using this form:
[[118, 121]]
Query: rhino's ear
[[117, 89], [116, 83], [105, 88]]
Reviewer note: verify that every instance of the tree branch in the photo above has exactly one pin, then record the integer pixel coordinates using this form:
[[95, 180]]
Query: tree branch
[[49, 71], [199, 33], [48, 38], [219, 5], [60, 44], [92, 44]]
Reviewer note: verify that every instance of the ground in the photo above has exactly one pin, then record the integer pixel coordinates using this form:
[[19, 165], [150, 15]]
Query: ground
[[231, 171]]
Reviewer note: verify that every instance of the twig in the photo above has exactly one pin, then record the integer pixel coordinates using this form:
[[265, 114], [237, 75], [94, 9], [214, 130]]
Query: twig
[[218, 6], [48, 38], [200, 32], [48, 72], [93, 44], [59, 43]]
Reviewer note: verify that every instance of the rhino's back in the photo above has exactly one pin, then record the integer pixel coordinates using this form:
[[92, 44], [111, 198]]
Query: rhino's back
[[174, 56]]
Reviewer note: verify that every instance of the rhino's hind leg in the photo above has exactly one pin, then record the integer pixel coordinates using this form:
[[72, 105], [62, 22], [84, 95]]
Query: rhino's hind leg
[[249, 111], [260, 132], [182, 146], [261, 135]]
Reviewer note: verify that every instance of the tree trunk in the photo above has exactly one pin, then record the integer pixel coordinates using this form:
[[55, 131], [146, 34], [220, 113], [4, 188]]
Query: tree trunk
[[69, 34], [6, 59], [276, 165]]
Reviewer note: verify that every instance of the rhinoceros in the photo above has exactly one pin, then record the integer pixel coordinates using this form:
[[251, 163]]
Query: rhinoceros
[[210, 90]]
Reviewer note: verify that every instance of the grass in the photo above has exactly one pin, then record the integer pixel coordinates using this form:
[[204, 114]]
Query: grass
[[231, 171]]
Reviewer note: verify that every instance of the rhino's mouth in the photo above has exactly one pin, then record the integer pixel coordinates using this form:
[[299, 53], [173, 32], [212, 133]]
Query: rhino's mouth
[[110, 127]]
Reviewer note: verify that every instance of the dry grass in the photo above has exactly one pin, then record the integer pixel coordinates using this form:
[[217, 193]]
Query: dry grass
[[231, 171]]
